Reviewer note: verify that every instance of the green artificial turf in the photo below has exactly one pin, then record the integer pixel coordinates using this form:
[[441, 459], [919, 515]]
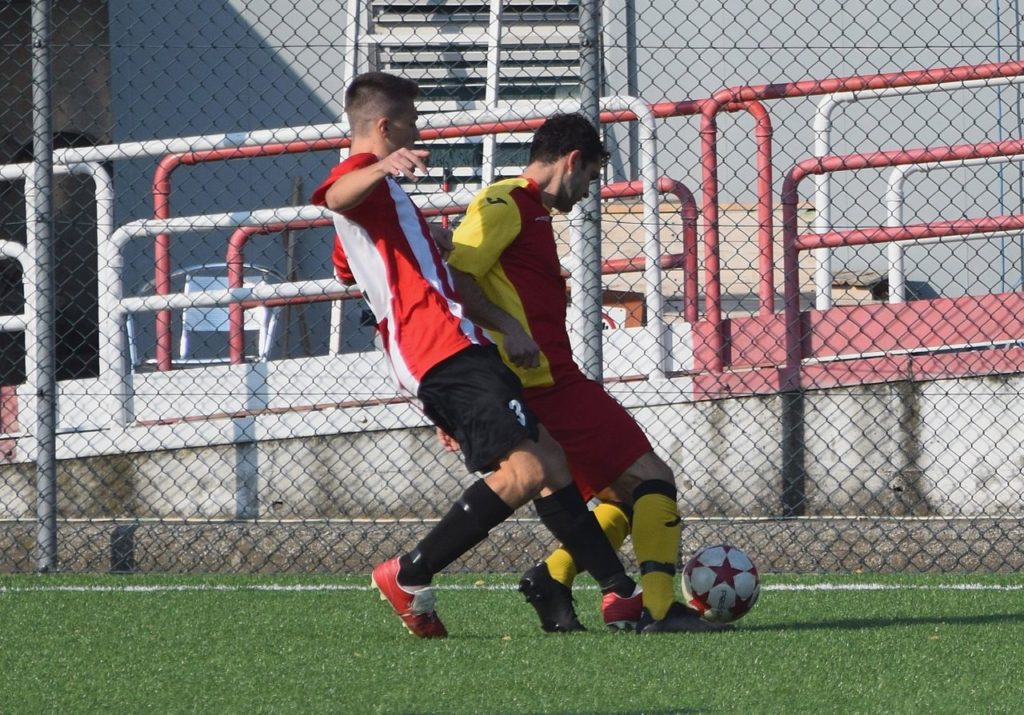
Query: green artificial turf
[[925, 644]]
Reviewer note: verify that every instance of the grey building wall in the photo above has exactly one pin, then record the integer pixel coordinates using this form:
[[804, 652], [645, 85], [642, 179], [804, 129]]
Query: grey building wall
[[82, 115]]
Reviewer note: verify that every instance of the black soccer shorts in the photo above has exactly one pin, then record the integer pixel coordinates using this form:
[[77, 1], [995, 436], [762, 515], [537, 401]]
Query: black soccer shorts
[[478, 400]]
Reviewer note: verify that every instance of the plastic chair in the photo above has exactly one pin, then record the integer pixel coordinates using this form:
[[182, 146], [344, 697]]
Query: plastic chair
[[197, 322]]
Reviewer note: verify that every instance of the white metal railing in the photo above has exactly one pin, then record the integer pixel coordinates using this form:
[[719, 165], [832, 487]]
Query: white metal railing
[[115, 375], [203, 142], [822, 127], [513, 111], [27, 257], [894, 203], [114, 372]]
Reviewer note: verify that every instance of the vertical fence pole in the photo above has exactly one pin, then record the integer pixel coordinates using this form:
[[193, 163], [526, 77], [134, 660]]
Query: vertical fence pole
[[41, 216], [632, 84], [490, 142], [1019, 119], [585, 280]]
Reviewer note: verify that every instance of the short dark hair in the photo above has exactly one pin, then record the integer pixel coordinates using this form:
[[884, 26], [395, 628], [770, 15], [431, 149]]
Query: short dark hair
[[372, 95], [564, 133]]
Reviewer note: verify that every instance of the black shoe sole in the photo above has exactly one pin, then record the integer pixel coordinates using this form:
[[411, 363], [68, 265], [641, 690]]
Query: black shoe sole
[[530, 590]]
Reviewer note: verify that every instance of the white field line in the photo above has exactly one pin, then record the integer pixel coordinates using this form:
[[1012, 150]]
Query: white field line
[[326, 588]]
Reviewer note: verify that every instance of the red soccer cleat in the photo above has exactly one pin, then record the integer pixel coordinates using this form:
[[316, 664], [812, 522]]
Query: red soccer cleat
[[622, 612], [415, 608]]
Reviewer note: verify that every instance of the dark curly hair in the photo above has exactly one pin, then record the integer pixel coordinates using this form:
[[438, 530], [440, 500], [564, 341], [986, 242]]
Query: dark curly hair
[[564, 133]]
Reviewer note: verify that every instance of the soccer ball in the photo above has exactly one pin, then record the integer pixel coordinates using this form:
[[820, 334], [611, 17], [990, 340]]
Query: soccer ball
[[721, 583]]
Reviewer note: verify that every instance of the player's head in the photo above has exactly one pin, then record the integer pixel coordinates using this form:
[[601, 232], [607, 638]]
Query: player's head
[[570, 143], [565, 133], [378, 103]]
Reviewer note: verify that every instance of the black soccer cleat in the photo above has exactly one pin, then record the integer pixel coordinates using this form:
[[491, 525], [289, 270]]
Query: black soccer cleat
[[551, 600], [678, 619]]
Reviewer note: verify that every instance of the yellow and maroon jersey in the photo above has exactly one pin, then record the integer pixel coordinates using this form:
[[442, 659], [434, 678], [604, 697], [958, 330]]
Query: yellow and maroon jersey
[[507, 243]]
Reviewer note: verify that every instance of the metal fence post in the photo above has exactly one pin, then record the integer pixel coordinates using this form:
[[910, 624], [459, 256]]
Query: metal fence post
[[586, 218], [41, 219]]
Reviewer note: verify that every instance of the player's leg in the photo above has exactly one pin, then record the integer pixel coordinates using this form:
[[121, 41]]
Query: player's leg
[[657, 528], [497, 433], [547, 585], [405, 581], [564, 512], [600, 440], [529, 468], [487, 430], [613, 518]]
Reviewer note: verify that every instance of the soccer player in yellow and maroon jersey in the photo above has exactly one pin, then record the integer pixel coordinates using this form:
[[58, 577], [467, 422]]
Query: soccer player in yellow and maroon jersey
[[506, 268], [439, 355]]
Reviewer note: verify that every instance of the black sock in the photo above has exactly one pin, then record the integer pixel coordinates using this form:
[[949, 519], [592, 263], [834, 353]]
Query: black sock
[[465, 525], [565, 514]]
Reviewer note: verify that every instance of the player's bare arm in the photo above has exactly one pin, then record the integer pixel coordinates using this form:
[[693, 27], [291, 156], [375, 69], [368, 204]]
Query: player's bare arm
[[520, 347], [442, 238], [352, 189]]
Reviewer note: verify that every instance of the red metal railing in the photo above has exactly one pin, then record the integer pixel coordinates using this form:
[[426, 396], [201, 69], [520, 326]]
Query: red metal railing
[[726, 98], [687, 260], [794, 243], [169, 163]]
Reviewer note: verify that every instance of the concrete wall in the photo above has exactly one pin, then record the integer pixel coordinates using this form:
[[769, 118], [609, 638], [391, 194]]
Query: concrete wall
[[949, 448], [896, 477]]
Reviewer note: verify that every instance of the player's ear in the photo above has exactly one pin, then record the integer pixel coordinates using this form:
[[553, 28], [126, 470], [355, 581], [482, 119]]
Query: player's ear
[[383, 126], [574, 161]]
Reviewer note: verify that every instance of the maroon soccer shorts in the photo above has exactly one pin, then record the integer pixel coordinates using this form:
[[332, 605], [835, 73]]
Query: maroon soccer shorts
[[601, 440]]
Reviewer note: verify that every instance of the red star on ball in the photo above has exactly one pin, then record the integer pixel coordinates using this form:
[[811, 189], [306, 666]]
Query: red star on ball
[[725, 573]]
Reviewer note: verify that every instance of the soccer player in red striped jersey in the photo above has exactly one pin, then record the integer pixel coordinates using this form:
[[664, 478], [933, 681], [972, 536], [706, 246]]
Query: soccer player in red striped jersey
[[443, 358], [506, 267]]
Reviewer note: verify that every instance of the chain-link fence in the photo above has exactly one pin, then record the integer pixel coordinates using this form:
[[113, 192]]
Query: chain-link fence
[[804, 280]]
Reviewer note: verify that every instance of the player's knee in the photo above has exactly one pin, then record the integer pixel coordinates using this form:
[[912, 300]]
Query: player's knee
[[516, 483], [522, 474], [661, 472], [650, 467], [552, 460]]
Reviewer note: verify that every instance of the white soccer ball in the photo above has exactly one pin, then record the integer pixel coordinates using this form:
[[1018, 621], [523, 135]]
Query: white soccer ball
[[721, 583]]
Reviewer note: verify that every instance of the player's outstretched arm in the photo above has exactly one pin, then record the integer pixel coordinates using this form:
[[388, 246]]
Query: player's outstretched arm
[[352, 188]]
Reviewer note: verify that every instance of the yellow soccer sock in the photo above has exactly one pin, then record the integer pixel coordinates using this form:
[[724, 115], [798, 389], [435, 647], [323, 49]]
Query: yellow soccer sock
[[615, 525], [656, 532]]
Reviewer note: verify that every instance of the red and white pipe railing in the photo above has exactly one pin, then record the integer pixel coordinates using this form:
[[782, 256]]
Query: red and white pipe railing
[[519, 117], [743, 95], [821, 124], [456, 203], [793, 243]]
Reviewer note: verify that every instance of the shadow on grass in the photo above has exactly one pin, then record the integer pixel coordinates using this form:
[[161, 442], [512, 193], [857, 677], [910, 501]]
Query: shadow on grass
[[862, 623]]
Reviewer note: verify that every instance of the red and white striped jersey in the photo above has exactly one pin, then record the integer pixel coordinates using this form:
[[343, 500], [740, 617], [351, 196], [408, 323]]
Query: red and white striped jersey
[[402, 276]]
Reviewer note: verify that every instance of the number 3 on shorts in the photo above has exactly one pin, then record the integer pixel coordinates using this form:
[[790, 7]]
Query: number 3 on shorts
[[517, 407]]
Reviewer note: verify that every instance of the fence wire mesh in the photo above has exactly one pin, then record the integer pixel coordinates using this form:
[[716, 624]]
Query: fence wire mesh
[[829, 357]]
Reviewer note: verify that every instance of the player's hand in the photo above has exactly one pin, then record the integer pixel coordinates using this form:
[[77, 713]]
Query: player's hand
[[405, 162], [448, 442], [521, 349], [442, 237]]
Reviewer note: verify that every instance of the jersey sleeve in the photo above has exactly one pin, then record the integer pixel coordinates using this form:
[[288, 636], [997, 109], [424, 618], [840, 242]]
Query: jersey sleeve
[[492, 222], [356, 161]]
